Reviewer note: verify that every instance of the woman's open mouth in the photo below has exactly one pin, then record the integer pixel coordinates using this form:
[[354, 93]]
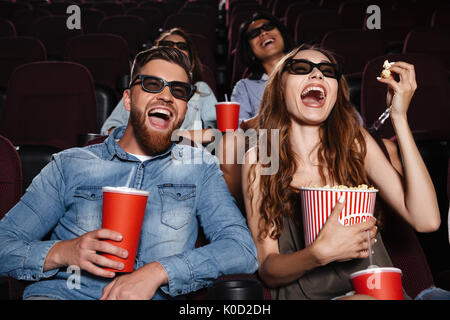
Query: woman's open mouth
[[160, 118], [314, 96], [266, 42]]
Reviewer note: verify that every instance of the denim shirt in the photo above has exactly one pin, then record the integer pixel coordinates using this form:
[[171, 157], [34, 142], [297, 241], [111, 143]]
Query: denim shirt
[[186, 188]]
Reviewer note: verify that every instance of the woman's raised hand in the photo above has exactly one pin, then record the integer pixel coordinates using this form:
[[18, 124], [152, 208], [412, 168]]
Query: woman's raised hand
[[400, 93]]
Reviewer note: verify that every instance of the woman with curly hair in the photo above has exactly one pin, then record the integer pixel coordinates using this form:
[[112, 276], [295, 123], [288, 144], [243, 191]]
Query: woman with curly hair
[[322, 142]]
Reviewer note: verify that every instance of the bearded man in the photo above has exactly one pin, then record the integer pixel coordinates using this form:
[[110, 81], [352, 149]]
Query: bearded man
[[65, 201]]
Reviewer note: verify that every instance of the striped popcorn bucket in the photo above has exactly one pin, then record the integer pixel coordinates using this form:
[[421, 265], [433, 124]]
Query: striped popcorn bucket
[[317, 204]]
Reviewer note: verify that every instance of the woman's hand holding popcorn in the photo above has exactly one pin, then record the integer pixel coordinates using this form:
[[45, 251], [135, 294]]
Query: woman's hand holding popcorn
[[400, 92]]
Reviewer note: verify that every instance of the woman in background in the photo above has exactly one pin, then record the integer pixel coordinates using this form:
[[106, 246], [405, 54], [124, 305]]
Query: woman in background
[[263, 41]]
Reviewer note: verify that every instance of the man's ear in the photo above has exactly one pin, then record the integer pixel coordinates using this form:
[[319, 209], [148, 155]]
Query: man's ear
[[127, 99]]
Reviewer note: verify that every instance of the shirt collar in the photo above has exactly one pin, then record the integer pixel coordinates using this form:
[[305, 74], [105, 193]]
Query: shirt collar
[[265, 77]]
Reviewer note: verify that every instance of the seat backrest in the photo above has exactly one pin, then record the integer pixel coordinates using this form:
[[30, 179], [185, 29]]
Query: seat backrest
[[24, 20], [54, 34], [238, 68], [242, 5], [205, 49], [110, 8], [15, 51], [132, 28], [153, 17], [166, 7], [33, 160], [10, 176], [105, 55], [352, 13], [7, 28], [402, 244], [191, 23], [433, 42], [406, 253], [91, 18], [292, 12], [233, 30], [395, 26], [210, 11], [59, 8], [448, 199], [417, 253], [49, 103], [353, 47], [448, 183], [9, 8], [441, 18], [106, 102], [307, 30], [208, 77], [279, 8], [428, 109], [420, 10], [330, 4]]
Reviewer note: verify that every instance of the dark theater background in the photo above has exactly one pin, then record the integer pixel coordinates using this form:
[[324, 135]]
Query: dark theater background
[[65, 63]]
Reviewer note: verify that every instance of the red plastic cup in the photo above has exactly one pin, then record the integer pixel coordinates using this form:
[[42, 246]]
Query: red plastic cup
[[227, 115], [123, 211], [380, 283], [317, 204]]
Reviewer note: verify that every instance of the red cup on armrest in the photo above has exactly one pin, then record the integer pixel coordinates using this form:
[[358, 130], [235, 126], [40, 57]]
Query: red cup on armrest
[[227, 115]]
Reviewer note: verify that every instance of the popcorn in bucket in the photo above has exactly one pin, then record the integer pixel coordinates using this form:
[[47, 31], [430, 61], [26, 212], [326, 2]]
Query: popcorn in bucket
[[317, 204]]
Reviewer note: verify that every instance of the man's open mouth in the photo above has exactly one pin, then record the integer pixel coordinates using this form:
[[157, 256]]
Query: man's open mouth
[[160, 117], [313, 96]]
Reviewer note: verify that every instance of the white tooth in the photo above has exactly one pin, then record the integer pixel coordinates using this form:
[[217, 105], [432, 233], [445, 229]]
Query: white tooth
[[163, 111], [267, 42], [322, 92]]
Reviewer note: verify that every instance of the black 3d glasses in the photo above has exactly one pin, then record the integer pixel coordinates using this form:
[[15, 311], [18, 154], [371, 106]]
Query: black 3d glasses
[[301, 66], [152, 84], [257, 31], [180, 45]]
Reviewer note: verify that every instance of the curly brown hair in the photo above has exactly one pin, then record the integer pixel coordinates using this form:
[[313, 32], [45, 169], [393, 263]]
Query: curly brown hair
[[341, 150]]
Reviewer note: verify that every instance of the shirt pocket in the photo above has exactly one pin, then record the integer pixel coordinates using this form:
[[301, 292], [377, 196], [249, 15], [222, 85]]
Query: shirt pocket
[[178, 202], [89, 203]]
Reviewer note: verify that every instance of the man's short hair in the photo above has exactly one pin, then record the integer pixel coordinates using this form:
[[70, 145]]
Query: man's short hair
[[166, 53]]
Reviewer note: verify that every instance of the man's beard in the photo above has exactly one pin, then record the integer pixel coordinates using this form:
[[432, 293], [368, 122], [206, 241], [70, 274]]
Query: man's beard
[[152, 142]]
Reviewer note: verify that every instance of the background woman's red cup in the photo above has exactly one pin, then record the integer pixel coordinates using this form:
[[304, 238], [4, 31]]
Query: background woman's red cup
[[123, 211], [317, 204], [227, 115], [380, 283]]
